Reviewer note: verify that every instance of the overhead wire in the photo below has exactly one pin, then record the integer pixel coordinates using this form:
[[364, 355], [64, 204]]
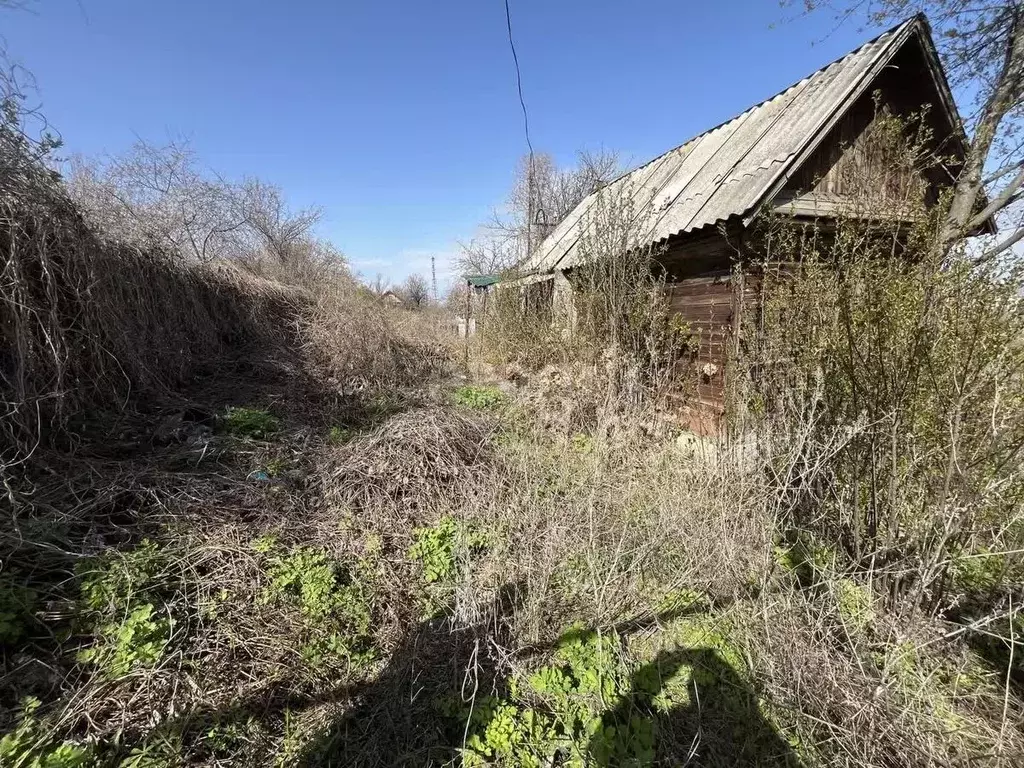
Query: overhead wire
[[519, 79], [532, 213]]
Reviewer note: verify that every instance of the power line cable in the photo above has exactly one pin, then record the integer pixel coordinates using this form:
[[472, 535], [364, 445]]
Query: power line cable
[[519, 79], [531, 212]]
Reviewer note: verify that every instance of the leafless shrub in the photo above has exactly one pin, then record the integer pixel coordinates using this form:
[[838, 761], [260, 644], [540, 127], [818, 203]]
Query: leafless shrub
[[161, 198], [408, 461], [901, 372], [607, 318]]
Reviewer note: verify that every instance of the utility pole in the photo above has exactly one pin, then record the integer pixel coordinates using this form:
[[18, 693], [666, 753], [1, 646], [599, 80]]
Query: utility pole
[[433, 278], [529, 207]]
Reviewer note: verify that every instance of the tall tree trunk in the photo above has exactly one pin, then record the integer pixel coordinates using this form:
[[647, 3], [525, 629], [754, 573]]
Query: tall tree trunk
[[1006, 94]]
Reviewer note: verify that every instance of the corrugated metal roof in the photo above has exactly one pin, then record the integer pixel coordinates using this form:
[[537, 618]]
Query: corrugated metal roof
[[727, 171]]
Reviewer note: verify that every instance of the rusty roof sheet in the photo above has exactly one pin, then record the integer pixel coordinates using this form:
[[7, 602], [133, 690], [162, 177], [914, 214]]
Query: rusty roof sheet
[[727, 171]]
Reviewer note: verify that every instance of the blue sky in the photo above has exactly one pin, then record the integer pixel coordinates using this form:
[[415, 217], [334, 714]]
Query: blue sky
[[401, 119]]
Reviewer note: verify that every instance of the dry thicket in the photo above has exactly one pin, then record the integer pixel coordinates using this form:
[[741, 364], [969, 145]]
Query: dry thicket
[[347, 567], [613, 351], [858, 534], [88, 325]]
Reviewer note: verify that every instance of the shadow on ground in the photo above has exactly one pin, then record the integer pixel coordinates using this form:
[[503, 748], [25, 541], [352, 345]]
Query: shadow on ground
[[721, 724], [397, 720]]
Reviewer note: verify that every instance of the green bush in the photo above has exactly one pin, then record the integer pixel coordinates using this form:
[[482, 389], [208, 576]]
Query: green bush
[[885, 376], [892, 368]]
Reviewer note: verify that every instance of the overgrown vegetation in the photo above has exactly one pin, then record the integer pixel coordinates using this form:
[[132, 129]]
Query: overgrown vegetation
[[259, 525], [606, 326], [479, 397]]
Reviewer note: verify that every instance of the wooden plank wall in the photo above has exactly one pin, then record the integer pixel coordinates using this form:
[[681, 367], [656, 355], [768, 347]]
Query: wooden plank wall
[[712, 306], [706, 305]]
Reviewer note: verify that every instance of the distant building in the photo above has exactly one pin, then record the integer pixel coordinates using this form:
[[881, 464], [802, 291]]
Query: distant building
[[478, 290], [391, 298]]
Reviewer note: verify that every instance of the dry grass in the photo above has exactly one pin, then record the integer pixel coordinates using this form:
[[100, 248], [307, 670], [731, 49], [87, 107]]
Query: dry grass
[[88, 325], [353, 596], [408, 461], [367, 347]]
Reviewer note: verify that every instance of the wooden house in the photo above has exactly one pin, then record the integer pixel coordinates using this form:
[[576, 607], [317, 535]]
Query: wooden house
[[791, 153]]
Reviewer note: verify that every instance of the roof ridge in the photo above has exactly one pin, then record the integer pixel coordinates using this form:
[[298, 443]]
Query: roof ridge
[[918, 17], [701, 169]]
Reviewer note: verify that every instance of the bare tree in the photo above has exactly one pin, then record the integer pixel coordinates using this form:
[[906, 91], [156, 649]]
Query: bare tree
[[262, 206], [982, 48], [541, 196], [416, 290], [546, 194], [379, 285], [161, 197], [489, 254], [158, 196]]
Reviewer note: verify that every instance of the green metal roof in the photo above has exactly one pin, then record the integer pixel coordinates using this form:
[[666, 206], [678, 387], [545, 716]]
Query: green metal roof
[[482, 281]]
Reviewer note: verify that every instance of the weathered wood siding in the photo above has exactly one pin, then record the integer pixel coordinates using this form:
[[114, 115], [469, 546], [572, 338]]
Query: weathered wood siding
[[853, 161], [705, 304], [700, 290]]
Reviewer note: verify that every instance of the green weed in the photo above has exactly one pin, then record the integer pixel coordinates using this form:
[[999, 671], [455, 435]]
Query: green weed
[[17, 603], [276, 466], [340, 435], [162, 749], [478, 397], [436, 548], [137, 641], [583, 709], [264, 544], [583, 444], [805, 557], [855, 603], [29, 745], [250, 422], [291, 743], [229, 739], [334, 600], [979, 573], [681, 599], [121, 592], [111, 581]]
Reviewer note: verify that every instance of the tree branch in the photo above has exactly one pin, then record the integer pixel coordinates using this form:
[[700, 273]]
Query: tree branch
[[1006, 197]]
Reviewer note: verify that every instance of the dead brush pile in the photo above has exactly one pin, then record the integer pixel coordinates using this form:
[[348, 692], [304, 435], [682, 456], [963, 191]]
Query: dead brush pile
[[411, 460]]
